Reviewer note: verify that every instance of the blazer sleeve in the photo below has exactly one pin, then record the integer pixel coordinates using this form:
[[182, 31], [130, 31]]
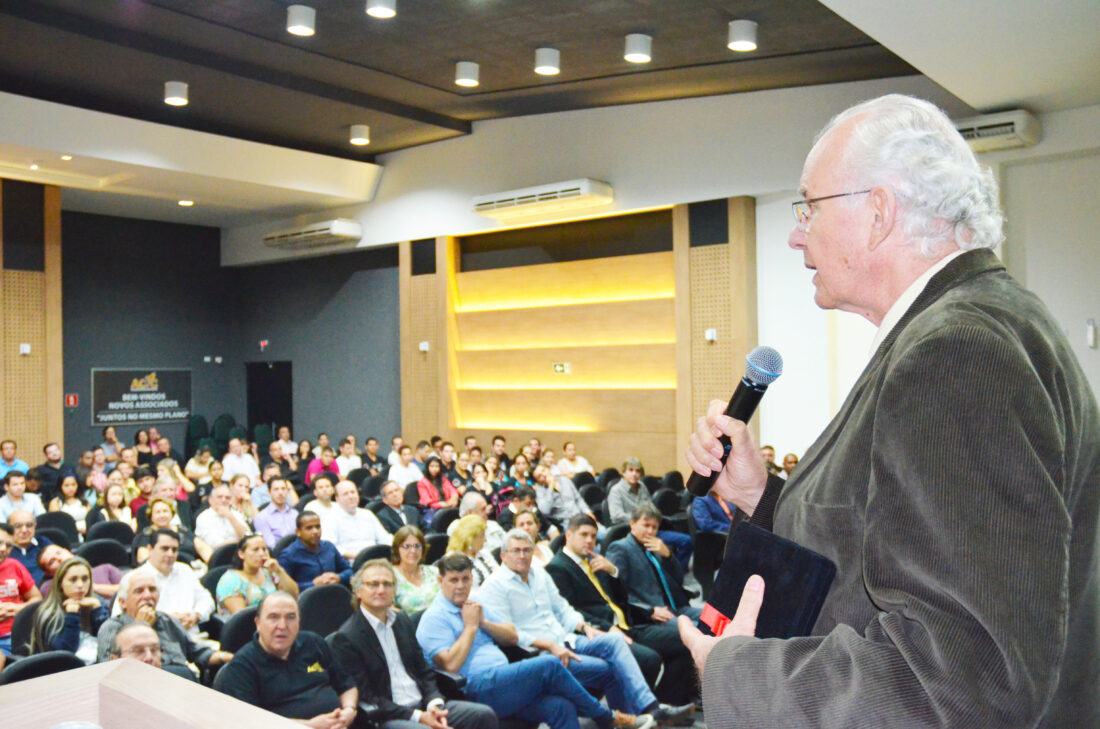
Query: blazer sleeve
[[352, 655], [620, 556], [570, 587]]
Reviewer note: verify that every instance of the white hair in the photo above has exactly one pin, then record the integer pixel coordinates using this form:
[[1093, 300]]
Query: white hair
[[127, 579], [518, 535], [911, 146], [471, 501]]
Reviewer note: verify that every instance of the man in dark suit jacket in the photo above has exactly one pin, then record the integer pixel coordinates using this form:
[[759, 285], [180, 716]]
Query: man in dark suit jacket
[[377, 646], [573, 570], [655, 580], [394, 514]]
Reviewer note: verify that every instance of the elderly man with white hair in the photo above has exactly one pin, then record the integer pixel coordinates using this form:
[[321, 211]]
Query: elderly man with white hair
[[474, 503], [962, 597]]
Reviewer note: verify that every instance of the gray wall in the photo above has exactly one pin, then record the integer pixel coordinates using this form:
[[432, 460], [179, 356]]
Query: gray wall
[[335, 319], [141, 294]]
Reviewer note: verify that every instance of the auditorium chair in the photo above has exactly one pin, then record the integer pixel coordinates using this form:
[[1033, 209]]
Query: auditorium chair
[[358, 476], [43, 664], [582, 479], [283, 543], [59, 520], [443, 519], [708, 550], [652, 483], [21, 629], [437, 547], [240, 433], [238, 629], [614, 534], [210, 580], [57, 536], [593, 495], [366, 554], [223, 555], [673, 480], [220, 432], [104, 551], [324, 608], [119, 531], [607, 477], [262, 436], [197, 429], [372, 487]]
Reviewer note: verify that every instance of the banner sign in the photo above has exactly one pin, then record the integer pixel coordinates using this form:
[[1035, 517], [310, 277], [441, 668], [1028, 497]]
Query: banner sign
[[153, 395]]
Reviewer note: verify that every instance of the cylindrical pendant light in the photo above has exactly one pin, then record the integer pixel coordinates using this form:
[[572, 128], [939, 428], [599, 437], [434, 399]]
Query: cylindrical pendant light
[[547, 61], [360, 134], [466, 73], [175, 93], [638, 47], [300, 20], [742, 35], [381, 8]]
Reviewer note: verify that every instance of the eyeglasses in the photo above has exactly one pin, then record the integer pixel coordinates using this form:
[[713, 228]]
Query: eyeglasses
[[23, 525], [375, 584], [522, 551], [413, 547], [803, 211], [141, 650]]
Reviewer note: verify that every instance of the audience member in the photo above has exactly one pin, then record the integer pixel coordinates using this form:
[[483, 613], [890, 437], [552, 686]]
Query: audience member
[[417, 583], [105, 577], [654, 580], [144, 447], [144, 480], [371, 460], [326, 463], [475, 454], [355, 528], [789, 462], [111, 506], [287, 464], [405, 471], [289, 445], [558, 498], [277, 518], [240, 497], [377, 646], [527, 521], [348, 461], [475, 503], [162, 515], [83, 468], [524, 499], [239, 461], [17, 590], [459, 473], [139, 598], [324, 488], [197, 470], [70, 616], [52, 470], [164, 450], [322, 444], [394, 513], [591, 584], [504, 463], [137, 641], [288, 672], [181, 594], [630, 492], [479, 481], [219, 524], [520, 472], [424, 451], [468, 538], [394, 456], [111, 445], [253, 575], [570, 464], [164, 489], [305, 457], [71, 502], [435, 489], [457, 634], [529, 599], [16, 498], [767, 453], [8, 461], [310, 560], [25, 545], [712, 513]]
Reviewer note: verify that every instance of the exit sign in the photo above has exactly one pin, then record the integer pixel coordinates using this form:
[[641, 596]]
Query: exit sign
[[72, 400], [561, 368]]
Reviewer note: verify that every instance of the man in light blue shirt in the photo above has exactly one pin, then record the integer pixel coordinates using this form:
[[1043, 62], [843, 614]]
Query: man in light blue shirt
[[457, 634], [544, 621], [8, 461]]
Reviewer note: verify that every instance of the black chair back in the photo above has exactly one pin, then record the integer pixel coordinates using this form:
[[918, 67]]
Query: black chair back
[[437, 547], [60, 520], [372, 487], [303, 501], [358, 476], [443, 519], [223, 555], [583, 478], [324, 608], [104, 551], [210, 580], [375, 551], [284, 542], [43, 664], [412, 495], [608, 476], [57, 536], [614, 534], [667, 502], [238, 629], [556, 543], [593, 495], [673, 480], [21, 629], [709, 549], [119, 531], [652, 483]]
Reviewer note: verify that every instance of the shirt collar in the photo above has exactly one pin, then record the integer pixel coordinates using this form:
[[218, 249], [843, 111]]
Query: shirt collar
[[572, 555], [903, 302], [377, 624]]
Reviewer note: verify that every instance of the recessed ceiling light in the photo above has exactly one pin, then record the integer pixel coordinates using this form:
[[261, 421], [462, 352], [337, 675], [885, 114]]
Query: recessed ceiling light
[[186, 203], [300, 20], [547, 61], [742, 36], [34, 165], [360, 134], [381, 8], [66, 157], [638, 47], [466, 73], [175, 93]]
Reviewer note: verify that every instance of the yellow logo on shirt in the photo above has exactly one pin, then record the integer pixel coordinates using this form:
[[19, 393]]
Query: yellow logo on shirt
[[315, 668]]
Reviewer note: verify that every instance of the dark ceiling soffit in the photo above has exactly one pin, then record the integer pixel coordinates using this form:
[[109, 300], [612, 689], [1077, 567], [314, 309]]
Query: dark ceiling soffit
[[92, 28], [37, 89]]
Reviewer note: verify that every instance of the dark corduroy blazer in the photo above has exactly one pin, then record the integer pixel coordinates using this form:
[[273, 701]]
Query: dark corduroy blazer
[[392, 522], [966, 595], [642, 584]]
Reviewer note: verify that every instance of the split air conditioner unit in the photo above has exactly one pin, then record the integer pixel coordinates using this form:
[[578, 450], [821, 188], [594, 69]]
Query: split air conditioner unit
[[555, 197], [1006, 130], [328, 233]]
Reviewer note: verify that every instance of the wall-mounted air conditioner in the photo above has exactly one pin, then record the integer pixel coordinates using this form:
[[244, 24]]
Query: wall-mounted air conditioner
[[555, 197], [327, 233], [1005, 130]]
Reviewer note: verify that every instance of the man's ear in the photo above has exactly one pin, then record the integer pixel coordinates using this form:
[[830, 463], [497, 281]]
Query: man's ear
[[884, 211]]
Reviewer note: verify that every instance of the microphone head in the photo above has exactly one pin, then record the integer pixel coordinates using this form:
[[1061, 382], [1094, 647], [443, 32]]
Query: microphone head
[[763, 366]]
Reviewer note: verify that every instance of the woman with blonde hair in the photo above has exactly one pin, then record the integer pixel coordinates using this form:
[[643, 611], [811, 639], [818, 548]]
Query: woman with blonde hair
[[468, 538], [417, 583], [240, 497]]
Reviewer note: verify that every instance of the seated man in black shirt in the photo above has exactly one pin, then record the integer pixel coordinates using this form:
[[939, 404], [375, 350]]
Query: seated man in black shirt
[[289, 673]]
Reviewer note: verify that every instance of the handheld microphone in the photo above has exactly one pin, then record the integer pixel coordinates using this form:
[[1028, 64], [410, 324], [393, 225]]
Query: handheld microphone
[[763, 366]]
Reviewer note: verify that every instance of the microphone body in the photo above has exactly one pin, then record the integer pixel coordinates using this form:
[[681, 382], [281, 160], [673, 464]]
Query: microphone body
[[764, 366]]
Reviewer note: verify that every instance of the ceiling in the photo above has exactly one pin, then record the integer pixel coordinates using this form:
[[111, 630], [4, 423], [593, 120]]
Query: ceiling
[[251, 80]]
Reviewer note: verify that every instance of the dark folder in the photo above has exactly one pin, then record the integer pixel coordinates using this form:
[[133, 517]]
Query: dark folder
[[796, 582]]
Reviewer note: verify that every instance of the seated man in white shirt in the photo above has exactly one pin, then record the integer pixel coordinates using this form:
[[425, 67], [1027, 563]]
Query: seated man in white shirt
[[290, 446], [405, 471], [348, 461], [219, 524], [239, 460], [324, 489], [354, 529], [181, 594], [474, 503]]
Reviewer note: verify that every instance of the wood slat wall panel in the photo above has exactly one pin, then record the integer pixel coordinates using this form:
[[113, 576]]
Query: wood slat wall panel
[[24, 391], [604, 410], [420, 398], [712, 363], [643, 365]]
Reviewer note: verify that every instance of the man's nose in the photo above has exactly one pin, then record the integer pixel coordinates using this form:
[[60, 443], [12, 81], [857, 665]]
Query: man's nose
[[797, 239]]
